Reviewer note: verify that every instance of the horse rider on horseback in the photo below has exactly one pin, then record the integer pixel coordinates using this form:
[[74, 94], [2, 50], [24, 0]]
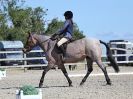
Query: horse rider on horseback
[[66, 31]]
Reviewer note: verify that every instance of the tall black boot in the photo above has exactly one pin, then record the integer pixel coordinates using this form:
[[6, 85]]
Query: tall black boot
[[63, 50]]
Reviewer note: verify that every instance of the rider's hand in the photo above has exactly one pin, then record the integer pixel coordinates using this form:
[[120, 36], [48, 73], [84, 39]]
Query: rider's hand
[[53, 37]]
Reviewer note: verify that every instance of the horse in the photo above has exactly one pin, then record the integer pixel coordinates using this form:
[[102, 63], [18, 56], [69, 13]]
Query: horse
[[85, 48]]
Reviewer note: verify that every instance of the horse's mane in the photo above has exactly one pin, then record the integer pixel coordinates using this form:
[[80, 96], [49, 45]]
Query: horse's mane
[[42, 37]]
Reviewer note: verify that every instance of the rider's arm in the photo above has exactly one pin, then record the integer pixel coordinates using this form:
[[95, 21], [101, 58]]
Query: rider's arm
[[64, 28]]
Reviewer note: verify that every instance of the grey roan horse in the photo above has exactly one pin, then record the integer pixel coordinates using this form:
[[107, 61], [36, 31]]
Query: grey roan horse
[[75, 51]]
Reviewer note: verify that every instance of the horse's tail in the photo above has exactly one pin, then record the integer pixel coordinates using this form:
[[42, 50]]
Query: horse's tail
[[110, 57]]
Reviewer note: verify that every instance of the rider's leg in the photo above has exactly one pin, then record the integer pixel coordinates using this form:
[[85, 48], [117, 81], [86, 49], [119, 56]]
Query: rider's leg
[[60, 45]]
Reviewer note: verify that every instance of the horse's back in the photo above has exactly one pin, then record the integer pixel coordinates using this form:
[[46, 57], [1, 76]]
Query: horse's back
[[85, 42], [87, 46], [76, 42]]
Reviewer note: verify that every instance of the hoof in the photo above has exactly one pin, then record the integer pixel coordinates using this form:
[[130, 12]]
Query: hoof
[[109, 83], [81, 83], [71, 85], [40, 85]]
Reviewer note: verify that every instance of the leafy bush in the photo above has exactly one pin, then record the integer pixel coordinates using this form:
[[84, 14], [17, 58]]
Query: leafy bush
[[29, 90], [2, 69]]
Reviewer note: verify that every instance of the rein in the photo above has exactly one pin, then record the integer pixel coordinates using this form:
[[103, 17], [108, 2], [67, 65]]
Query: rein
[[43, 42]]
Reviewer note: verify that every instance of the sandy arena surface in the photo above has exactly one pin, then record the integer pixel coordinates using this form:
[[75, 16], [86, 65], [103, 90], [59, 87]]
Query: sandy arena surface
[[56, 86]]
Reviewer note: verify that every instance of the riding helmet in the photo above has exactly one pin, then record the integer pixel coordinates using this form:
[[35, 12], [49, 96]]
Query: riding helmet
[[68, 14]]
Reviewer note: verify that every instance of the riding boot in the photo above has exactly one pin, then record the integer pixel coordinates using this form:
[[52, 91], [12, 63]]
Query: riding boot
[[63, 50]]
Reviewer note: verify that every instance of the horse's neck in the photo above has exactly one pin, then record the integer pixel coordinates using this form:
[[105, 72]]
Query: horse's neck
[[41, 38], [42, 41]]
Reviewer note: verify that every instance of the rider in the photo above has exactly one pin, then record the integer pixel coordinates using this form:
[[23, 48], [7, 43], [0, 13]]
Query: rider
[[67, 31]]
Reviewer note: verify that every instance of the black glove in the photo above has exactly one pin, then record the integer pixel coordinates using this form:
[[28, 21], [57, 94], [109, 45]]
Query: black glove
[[53, 37]]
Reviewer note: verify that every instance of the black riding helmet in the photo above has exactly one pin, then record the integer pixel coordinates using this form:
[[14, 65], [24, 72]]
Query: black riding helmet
[[68, 14]]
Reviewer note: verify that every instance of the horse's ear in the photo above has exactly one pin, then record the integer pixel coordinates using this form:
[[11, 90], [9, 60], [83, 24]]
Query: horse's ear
[[29, 33]]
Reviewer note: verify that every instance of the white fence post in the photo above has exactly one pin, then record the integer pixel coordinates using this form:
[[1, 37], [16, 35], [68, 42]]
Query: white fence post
[[115, 52], [25, 62]]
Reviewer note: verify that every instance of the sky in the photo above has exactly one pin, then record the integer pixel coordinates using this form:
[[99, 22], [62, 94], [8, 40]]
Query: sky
[[101, 19]]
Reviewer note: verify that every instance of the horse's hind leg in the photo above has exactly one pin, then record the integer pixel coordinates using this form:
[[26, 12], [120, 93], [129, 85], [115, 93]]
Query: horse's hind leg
[[62, 67], [89, 70], [99, 63], [43, 75]]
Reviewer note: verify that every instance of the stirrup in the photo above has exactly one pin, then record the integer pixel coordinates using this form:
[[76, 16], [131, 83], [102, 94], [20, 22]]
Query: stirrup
[[62, 57]]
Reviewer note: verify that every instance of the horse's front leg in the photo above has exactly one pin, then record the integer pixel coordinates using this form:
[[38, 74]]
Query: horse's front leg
[[43, 75], [63, 69]]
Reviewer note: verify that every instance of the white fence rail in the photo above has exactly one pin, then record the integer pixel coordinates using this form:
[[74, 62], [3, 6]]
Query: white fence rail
[[25, 59]]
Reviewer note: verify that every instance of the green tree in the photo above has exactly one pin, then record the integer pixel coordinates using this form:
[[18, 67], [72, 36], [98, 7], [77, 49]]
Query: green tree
[[37, 18], [3, 27], [21, 22], [16, 17], [77, 33], [56, 24], [53, 26], [21, 19]]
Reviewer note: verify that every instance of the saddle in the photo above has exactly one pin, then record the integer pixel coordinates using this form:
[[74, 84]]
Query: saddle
[[64, 47], [57, 38]]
